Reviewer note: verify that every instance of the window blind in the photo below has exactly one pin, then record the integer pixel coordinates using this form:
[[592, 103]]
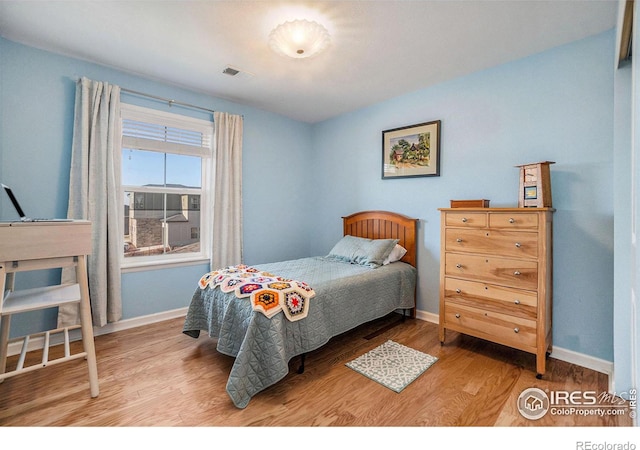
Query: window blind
[[163, 133]]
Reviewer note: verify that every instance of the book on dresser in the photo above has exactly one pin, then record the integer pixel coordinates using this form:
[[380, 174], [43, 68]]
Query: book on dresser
[[496, 277]]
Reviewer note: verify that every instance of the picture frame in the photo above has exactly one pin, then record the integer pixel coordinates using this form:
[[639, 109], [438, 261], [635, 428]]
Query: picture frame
[[411, 151]]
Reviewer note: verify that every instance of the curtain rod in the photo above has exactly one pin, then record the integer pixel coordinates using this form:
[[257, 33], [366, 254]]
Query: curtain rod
[[168, 100], [162, 99]]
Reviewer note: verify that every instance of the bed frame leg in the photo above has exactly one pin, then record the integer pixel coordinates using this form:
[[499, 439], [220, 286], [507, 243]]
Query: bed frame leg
[[301, 368]]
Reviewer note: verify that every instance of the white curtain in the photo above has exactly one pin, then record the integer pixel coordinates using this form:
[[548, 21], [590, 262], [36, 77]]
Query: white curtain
[[227, 202], [94, 191]]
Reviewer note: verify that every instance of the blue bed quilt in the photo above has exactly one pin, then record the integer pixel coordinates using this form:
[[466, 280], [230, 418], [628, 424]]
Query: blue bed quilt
[[346, 295]]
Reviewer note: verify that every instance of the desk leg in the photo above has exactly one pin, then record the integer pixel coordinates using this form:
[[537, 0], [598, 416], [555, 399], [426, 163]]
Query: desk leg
[[87, 325], [4, 322]]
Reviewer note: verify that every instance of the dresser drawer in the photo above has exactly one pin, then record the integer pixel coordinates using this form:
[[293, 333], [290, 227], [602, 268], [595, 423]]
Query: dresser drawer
[[504, 329], [514, 220], [519, 244], [496, 298], [518, 273], [465, 219]]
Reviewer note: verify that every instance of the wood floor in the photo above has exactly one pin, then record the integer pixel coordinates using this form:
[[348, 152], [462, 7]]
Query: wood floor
[[157, 376]]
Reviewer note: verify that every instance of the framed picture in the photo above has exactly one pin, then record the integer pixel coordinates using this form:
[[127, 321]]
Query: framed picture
[[412, 151]]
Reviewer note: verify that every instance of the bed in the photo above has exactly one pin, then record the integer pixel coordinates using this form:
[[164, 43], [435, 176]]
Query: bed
[[327, 295]]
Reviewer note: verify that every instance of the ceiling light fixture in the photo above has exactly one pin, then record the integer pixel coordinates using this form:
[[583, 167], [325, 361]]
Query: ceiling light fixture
[[299, 38]]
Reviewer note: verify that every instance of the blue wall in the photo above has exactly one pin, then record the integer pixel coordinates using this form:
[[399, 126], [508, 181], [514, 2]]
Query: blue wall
[[37, 91], [555, 106]]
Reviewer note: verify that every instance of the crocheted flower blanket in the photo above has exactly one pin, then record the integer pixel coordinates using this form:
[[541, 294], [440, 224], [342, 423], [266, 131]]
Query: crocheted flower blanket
[[268, 293]]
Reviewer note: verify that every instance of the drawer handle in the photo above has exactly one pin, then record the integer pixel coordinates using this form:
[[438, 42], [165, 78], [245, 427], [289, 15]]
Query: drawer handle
[[464, 220], [517, 302], [512, 220], [518, 245], [458, 291], [517, 273], [516, 330], [459, 240], [459, 266], [457, 315]]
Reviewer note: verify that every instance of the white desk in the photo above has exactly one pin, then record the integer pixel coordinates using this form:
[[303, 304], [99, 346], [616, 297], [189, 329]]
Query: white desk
[[45, 245]]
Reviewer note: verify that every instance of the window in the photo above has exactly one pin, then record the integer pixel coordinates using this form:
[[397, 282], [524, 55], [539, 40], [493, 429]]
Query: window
[[164, 183]]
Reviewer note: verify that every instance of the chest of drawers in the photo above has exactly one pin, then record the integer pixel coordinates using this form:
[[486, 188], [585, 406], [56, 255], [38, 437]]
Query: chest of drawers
[[496, 276]]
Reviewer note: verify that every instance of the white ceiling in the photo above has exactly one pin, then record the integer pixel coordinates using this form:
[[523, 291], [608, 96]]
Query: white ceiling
[[379, 49]]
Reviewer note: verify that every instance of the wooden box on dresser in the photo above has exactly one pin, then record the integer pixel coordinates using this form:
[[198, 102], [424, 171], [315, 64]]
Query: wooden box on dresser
[[496, 276]]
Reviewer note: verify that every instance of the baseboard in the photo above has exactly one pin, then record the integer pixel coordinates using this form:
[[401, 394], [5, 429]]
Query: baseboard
[[37, 343], [428, 317], [140, 321], [580, 359]]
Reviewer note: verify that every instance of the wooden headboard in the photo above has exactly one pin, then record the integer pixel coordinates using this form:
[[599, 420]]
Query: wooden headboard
[[385, 225]]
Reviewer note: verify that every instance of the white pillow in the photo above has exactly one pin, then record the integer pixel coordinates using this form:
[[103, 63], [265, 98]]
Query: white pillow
[[396, 254]]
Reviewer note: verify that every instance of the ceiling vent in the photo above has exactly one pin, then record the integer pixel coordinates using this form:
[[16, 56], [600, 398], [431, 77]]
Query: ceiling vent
[[230, 71], [236, 73]]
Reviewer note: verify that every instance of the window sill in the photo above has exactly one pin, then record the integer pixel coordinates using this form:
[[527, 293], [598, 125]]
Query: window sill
[[130, 267]]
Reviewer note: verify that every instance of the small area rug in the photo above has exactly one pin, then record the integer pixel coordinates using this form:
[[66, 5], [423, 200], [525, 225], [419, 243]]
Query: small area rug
[[393, 365]]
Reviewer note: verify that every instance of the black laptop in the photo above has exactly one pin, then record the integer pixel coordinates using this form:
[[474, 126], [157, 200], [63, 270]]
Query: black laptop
[[20, 212]]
